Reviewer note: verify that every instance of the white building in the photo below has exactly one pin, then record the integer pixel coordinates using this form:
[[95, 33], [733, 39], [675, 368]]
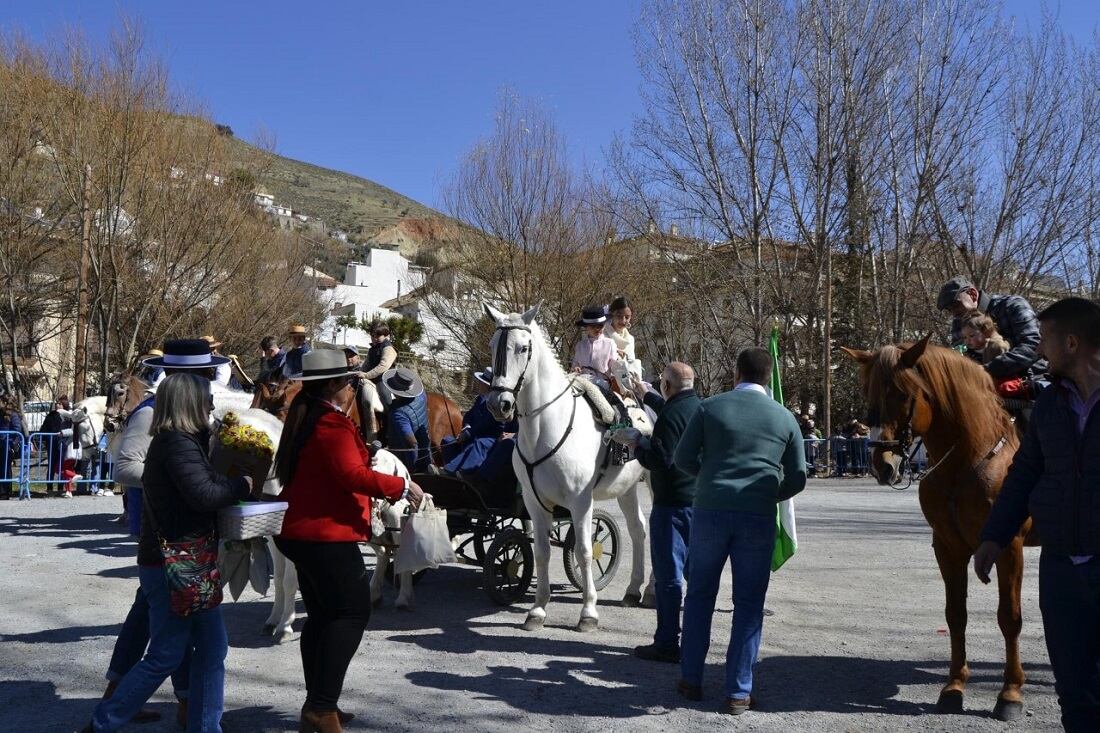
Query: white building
[[384, 275], [263, 199]]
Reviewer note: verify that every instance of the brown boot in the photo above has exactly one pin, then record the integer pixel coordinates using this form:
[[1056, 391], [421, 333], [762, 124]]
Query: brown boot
[[145, 715], [315, 721], [345, 718]]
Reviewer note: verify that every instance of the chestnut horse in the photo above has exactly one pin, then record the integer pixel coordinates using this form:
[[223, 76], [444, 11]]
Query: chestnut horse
[[950, 402], [444, 417]]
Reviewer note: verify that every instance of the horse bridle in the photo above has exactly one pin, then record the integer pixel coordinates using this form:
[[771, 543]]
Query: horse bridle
[[904, 435], [500, 363]]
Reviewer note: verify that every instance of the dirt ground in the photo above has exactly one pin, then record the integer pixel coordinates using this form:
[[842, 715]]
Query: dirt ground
[[857, 641]]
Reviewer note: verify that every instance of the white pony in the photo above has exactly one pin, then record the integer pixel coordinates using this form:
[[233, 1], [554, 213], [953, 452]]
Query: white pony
[[560, 458]]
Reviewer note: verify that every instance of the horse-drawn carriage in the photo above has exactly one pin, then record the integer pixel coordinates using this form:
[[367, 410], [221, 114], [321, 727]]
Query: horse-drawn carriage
[[490, 528]]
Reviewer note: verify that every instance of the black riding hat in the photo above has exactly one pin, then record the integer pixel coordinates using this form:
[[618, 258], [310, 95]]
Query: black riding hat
[[593, 315]]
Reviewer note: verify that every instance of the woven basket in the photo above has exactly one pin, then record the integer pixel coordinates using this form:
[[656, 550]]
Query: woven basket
[[254, 519]]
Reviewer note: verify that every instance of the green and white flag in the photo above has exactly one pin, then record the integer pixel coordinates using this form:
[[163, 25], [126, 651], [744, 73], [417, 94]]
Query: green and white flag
[[786, 539]]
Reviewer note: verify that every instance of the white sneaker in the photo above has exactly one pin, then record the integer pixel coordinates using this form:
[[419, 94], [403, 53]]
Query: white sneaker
[[106, 492], [67, 495]]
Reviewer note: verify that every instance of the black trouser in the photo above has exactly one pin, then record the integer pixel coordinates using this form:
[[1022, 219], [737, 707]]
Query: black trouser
[[1069, 597], [336, 591]]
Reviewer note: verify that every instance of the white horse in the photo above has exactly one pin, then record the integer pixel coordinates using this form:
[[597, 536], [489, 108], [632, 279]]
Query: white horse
[[559, 458]]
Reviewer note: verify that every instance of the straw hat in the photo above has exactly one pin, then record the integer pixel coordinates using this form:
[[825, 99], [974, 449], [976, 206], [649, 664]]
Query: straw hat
[[296, 330], [212, 341]]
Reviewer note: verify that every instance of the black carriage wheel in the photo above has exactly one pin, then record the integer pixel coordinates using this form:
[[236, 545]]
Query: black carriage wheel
[[509, 566], [391, 578], [486, 531], [606, 543]]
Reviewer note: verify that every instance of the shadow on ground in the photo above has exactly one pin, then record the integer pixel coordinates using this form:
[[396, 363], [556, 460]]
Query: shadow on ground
[[34, 705]]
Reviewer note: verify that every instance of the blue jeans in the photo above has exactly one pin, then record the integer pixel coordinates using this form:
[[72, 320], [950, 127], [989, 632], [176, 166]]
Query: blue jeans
[[134, 504], [1069, 598], [746, 540], [170, 637], [130, 646], [669, 530]]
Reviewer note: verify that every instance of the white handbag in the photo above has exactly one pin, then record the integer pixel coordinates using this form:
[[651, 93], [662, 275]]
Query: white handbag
[[425, 540]]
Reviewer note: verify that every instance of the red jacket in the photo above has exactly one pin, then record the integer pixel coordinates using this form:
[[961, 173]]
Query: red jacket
[[329, 493]]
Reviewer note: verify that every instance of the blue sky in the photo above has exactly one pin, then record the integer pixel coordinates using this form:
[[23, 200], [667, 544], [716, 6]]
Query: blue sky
[[397, 91]]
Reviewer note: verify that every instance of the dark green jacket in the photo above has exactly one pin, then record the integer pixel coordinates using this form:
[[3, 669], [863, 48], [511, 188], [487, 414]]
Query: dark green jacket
[[745, 450], [671, 486]]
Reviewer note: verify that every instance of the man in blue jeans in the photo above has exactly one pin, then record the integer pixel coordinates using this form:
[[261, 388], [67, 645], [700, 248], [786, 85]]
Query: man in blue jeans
[[673, 492], [745, 450], [1055, 477]]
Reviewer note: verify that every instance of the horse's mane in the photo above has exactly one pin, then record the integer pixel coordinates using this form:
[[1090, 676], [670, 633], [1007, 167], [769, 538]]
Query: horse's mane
[[959, 388]]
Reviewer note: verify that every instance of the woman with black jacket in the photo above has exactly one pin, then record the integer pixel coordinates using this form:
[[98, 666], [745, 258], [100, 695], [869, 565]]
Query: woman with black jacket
[[182, 495]]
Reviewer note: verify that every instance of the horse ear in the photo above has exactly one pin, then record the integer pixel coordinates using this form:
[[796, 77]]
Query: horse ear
[[858, 354], [912, 355], [492, 312], [530, 314]]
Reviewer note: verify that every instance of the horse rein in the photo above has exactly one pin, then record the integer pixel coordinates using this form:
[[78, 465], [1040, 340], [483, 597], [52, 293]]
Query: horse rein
[[905, 440]]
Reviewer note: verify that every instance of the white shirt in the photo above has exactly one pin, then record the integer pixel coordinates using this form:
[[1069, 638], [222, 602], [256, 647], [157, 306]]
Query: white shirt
[[222, 374], [750, 387]]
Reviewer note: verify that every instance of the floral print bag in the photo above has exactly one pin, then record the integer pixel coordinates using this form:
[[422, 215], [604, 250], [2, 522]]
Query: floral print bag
[[191, 569]]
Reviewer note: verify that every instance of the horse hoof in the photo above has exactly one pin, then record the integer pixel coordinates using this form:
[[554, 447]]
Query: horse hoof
[[632, 600], [587, 624], [285, 636], [1008, 711], [649, 601], [533, 623], [376, 602], [403, 606], [950, 702], [268, 630]]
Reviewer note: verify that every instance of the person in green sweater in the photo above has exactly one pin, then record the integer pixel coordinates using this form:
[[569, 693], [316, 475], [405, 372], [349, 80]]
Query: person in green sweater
[[745, 450], [673, 492]]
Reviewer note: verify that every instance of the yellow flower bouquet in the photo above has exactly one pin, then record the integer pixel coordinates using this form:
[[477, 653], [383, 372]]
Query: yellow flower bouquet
[[242, 450]]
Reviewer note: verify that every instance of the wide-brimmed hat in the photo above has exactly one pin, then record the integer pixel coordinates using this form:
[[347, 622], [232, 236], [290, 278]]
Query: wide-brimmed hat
[[296, 330], [214, 343], [951, 291], [593, 315], [402, 382], [324, 364], [485, 376], [186, 354], [150, 354]]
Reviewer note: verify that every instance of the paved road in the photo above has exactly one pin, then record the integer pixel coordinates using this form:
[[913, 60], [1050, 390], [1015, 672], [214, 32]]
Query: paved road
[[857, 642]]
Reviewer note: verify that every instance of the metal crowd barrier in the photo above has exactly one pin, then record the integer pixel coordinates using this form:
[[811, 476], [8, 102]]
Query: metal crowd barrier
[[12, 465], [42, 459], [839, 456]]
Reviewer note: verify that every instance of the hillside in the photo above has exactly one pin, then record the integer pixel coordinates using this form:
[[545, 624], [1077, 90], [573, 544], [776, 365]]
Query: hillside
[[359, 207]]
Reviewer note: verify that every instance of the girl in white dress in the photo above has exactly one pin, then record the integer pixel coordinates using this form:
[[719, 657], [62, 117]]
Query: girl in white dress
[[617, 329]]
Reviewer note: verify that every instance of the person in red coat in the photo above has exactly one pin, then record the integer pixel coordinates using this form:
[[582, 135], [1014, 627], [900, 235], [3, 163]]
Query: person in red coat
[[328, 483]]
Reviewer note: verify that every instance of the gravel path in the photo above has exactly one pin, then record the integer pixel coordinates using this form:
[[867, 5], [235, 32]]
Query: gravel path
[[857, 642]]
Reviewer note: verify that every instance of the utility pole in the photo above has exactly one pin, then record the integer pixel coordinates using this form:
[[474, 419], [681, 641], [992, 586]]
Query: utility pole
[[827, 355], [80, 376]]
